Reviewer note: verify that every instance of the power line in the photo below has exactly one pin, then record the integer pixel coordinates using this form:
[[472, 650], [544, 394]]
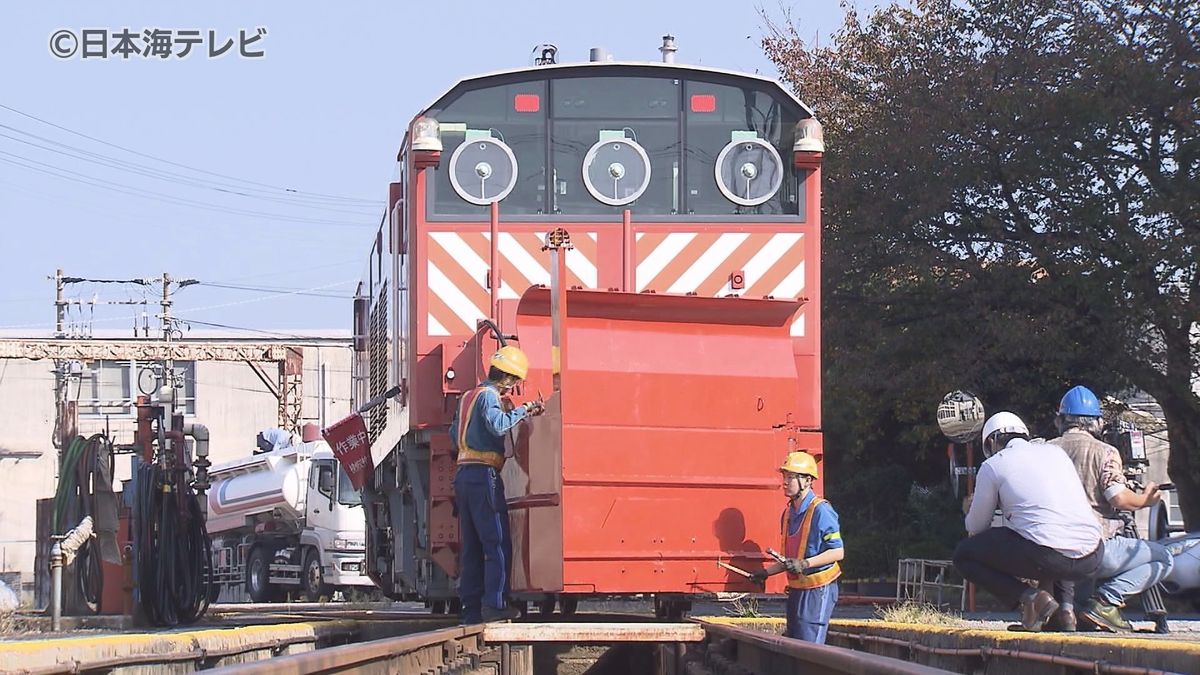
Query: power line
[[162, 197], [269, 289], [185, 166], [272, 333], [267, 297], [280, 273], [174, 177]]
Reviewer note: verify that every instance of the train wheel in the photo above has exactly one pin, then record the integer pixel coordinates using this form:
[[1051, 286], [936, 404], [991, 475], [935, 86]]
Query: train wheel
[[455, 606], [437, 607], [545, 606], [567, 604]]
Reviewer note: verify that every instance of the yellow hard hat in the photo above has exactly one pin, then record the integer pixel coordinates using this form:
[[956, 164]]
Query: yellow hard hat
[[511, 360], [802, 463]]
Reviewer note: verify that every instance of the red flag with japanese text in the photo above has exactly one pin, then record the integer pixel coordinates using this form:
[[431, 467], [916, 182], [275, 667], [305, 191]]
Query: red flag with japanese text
[[350, 444]]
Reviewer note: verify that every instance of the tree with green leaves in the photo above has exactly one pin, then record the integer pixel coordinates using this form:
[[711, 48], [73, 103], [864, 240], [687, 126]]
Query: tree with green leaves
[[1012, 205]]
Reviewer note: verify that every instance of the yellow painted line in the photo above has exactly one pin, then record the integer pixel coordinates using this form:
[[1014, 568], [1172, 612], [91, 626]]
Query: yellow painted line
[[1001, 636], [184, 639]]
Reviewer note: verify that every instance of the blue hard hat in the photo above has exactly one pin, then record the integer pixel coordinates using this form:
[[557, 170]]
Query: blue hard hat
[[1080, 401]]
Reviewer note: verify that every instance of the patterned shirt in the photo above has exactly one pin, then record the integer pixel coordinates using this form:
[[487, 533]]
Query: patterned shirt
[[1101, 472]]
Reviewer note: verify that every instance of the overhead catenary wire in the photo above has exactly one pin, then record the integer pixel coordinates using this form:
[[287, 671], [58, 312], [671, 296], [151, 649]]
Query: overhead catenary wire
[[185, 166], [269, 289], [263, 297], [246, 329], [175, 177], [75, 176], [179, 313]]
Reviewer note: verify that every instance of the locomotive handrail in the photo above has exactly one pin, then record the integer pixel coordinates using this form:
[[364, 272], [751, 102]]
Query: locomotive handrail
[[378, 400]]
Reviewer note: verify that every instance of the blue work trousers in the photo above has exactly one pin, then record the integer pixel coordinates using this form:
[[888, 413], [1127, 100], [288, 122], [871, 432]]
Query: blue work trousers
[[486, 542], [1130, 566], [808, 612]]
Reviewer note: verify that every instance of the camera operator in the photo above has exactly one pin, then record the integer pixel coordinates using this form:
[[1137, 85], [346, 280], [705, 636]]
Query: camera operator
[[1108, 491]]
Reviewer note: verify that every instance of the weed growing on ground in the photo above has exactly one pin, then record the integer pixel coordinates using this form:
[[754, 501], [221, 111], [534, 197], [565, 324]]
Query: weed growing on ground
[[917, 612], [745, 607]]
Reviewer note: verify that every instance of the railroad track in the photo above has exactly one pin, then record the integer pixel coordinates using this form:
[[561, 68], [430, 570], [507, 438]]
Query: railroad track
[[330, 640], [692, 648]]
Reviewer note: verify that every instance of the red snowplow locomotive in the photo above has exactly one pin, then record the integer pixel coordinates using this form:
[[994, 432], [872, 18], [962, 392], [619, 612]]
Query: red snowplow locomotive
[[649, 235]]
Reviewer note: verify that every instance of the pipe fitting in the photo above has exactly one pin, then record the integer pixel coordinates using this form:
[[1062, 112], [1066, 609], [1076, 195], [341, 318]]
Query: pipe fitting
[[62, 553]]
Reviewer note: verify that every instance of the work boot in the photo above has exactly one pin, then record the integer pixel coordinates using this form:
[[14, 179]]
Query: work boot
[[505, 614], [1106, 616], [1036, 607], [1062, 621]]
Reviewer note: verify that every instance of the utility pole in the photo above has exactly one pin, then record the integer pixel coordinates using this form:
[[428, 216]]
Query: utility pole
[[60, 305], [169, 366]]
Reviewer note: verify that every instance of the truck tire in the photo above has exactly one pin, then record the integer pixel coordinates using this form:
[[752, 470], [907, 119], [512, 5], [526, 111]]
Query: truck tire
[[312, 579], [258, 575]]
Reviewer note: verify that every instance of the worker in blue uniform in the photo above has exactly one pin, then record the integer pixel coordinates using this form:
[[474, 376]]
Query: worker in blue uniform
[[812, 547], [478, 430]]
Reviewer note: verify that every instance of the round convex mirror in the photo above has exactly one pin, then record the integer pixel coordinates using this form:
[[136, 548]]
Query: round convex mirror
[[960, 416]]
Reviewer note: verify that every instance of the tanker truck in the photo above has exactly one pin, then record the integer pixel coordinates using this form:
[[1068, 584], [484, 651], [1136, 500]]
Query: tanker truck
[[287, 522]]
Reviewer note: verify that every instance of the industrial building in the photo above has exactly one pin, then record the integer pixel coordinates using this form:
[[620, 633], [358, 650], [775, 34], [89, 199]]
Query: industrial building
[[237, 386]]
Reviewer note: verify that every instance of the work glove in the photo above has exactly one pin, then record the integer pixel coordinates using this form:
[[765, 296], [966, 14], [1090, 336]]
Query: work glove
[[793, 566], [533, 408], [759, 577]]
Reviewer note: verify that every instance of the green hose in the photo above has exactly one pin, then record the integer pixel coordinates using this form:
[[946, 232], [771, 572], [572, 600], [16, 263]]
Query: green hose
[[67, 482]]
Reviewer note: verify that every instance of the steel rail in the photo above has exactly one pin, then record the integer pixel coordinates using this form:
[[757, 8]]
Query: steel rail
[[827, 658], [352, 656], [984, 652]]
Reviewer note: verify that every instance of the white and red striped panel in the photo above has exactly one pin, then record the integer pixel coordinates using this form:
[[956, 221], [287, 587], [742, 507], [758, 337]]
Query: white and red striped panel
[[702, 262], [458, 271], [667, 262]]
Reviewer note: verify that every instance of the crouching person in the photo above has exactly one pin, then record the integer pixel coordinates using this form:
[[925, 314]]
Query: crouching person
[[1049, 532], [812, 547], [1129, 566]]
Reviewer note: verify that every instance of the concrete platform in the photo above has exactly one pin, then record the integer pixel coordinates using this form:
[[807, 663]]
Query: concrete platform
[[1003, 651]]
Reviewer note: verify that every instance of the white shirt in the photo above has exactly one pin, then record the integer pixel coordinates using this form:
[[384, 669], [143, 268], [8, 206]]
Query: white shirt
[[1037, 489]]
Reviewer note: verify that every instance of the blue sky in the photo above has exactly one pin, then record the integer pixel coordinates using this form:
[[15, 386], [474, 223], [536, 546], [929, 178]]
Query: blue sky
[[299, 145]]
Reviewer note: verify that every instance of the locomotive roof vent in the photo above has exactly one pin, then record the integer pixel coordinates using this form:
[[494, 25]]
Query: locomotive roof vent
[[668, 49], [597, 54]]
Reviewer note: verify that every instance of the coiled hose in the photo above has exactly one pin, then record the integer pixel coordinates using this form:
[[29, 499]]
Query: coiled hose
[[173, 565], [74, 499]]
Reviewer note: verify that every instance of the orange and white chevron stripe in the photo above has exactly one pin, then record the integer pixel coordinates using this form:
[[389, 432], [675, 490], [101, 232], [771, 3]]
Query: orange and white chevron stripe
[[701, 263], [458, 272]]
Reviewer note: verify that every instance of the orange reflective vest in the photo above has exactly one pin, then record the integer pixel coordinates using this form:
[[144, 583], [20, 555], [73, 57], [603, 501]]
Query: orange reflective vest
[[794, 546], [466, 455]]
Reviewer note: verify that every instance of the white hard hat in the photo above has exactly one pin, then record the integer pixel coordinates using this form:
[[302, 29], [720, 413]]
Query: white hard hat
[[1004, 422]]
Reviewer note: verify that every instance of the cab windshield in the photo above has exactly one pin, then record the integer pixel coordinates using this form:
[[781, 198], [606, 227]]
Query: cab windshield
[[346, 494], [594, 142]]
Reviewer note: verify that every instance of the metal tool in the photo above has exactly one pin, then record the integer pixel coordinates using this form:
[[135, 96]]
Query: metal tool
[[731, 568], [775, 554]]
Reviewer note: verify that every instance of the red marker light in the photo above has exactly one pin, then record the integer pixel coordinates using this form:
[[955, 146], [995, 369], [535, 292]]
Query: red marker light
[[527, 103], [704, 103]]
